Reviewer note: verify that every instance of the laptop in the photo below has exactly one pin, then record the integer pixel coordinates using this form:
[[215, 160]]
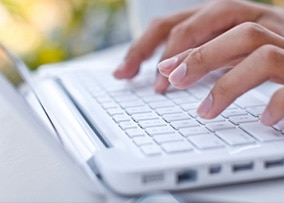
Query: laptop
[[137, 141]]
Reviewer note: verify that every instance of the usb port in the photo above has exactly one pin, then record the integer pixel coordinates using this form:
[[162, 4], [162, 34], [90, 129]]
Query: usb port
[[274, 163], [215, 169], [242, 167], [186, 176]]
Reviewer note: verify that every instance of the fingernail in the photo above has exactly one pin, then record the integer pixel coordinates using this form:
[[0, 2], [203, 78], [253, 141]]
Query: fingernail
[[205, 106], [177, 76], [160, 83], [167, 64], [266, 118]]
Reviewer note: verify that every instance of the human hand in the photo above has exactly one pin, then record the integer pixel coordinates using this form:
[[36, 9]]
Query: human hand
[[256, 54], [193, 28]]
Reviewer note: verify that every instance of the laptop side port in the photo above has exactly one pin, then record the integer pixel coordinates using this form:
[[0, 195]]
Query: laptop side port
[[240, 167], [214, 170], [186, 176], [151, 178], [274, 163]]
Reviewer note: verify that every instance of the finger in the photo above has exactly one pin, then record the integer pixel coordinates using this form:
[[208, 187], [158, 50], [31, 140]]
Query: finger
[[266, 63], [274, 112], [144, 47], [166, 66], [242, 39], [208, 22]]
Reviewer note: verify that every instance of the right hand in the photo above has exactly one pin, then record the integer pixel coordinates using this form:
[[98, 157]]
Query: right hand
[[194, 27]]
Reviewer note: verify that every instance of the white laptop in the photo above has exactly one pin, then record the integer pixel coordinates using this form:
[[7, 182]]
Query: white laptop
[[137, 141]]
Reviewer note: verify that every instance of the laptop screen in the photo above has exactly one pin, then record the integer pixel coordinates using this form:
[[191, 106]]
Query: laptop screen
[[8, 67], [18, 74]]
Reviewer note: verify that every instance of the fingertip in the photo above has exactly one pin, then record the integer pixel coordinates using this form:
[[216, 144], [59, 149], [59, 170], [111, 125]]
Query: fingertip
[[266, 118], [166, 66], [119, 72], [178, 75], [205, 107], [126, 70], [161, 84]]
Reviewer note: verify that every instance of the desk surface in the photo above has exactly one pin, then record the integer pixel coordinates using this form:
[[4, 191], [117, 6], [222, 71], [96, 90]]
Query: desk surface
[[34, 169]]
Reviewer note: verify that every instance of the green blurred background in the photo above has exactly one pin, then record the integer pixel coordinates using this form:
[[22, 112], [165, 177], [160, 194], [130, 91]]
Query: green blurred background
[[46, 31]]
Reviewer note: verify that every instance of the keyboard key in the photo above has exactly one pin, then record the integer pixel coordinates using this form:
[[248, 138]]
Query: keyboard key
[[247, 101], [168, 138], [115, 111], [127, 98], [193, 131], [135, 132], [152, 123], [235, 137], [219, 125], [256, 110], [233, 112], [109, 105], [144, 116], [280, 125], [199, 91], [151, 150], [164, 111], [175, 147], [184, 124], [156, 105], [242, 119], [120, 117], [137, 110], [146, 92], [143, 140], [176, 117], [206, 141], [261, 132], [160, 130], [205, 121], [185, 100], [176, 94], [190, 106], [133, 103], [155, 98], [104, 99], [127, 124]]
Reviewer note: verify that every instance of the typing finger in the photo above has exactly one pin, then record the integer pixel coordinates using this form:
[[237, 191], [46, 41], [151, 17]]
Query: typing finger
[[228, 48], [207, 22], [274, 111], [266, 63], [144, 47]]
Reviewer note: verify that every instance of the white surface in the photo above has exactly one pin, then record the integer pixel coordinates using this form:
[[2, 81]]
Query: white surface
[[34, 169]]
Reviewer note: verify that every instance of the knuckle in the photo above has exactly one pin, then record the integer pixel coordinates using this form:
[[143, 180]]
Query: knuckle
[[252, 31], [158, 23], [225, 4], [221, 88], [273, 59], [197, 56], [176, 30], [181, 33], [271, 54]]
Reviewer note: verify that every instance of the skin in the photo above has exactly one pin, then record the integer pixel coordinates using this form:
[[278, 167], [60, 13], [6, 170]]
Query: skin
[[247, 36]]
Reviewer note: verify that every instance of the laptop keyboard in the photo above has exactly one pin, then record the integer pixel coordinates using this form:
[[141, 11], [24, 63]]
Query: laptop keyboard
[[160, 124]]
